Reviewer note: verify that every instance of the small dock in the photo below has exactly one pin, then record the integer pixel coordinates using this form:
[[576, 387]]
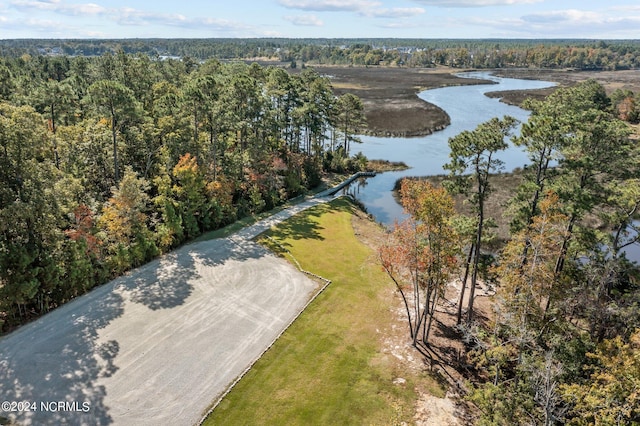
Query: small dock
[[347, 182]]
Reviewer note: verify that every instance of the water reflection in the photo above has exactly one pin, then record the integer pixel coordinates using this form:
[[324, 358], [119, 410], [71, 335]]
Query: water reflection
[[467, 106], [632, 252]]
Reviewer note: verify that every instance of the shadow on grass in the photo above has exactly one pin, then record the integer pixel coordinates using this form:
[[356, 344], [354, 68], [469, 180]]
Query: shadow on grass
[[300, 227], [305, 225]]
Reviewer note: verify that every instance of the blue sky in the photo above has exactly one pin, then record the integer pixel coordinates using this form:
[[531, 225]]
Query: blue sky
[[617, 19]]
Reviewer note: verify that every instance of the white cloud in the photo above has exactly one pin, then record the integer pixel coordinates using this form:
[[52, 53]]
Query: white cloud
[[330, 5], [48, 28], [135, 17], [570, 20], [366, 8], [86, 9], [474, 3], [396, 12], [304, 20], [569, 23], [127, 16], [396, 25], [564, 16], [625, 9]]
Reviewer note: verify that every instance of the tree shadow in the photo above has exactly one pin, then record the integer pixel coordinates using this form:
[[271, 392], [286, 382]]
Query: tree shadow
[[56, 360], [438, 363], [302, 226], [60, 357], [167, 282], [163, 283], [228, 249]]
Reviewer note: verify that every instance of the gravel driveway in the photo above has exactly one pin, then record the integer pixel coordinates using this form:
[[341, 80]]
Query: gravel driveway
[[156, 346]]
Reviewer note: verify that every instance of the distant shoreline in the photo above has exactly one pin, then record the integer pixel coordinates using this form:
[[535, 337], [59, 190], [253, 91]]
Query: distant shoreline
[[393, 109], [390, 96]]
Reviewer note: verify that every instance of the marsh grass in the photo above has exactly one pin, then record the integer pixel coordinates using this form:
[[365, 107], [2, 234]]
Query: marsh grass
[[381, 166]]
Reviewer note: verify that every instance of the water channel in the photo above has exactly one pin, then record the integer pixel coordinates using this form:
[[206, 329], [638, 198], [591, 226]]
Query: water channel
[[467, 106]]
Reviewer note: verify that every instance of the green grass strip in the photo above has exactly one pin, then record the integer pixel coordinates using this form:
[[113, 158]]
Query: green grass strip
[[328, 367]]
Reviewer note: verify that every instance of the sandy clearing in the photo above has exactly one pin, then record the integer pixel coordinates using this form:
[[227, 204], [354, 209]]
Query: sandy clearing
[[159, 344]]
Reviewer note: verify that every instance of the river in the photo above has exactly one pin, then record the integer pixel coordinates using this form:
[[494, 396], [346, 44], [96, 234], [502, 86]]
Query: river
[[467, 106]]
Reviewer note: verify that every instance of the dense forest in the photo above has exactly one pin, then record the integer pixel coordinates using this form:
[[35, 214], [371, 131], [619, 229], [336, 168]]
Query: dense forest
[[113, 152], [487, 53], [560, 343], [109, 161]]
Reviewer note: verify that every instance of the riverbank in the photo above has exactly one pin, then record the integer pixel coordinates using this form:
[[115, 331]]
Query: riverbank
[[610, 80], [390, 96], [381, 166], [504, 187], [393, 109]]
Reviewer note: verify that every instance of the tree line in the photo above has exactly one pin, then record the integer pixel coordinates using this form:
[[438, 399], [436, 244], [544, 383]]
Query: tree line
[[107, 162], [561, 343], [486, 53], [483, 54]]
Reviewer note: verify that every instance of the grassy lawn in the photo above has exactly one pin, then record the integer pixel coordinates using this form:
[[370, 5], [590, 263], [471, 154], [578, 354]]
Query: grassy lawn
[[329, 367]]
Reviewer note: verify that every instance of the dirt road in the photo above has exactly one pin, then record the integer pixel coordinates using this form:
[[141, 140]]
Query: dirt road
[[157, 345]]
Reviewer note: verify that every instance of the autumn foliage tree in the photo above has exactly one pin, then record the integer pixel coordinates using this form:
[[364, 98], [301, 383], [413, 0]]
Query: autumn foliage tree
[[527, 277], [125, 222], [611, 395], [420, 253], [106, 161], [189, 190]]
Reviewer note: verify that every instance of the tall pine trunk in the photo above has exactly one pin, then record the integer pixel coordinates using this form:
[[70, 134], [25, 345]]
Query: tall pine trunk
[[464, 283]]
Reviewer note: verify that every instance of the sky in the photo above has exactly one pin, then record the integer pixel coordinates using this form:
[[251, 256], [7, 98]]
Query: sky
[[534, 19]]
